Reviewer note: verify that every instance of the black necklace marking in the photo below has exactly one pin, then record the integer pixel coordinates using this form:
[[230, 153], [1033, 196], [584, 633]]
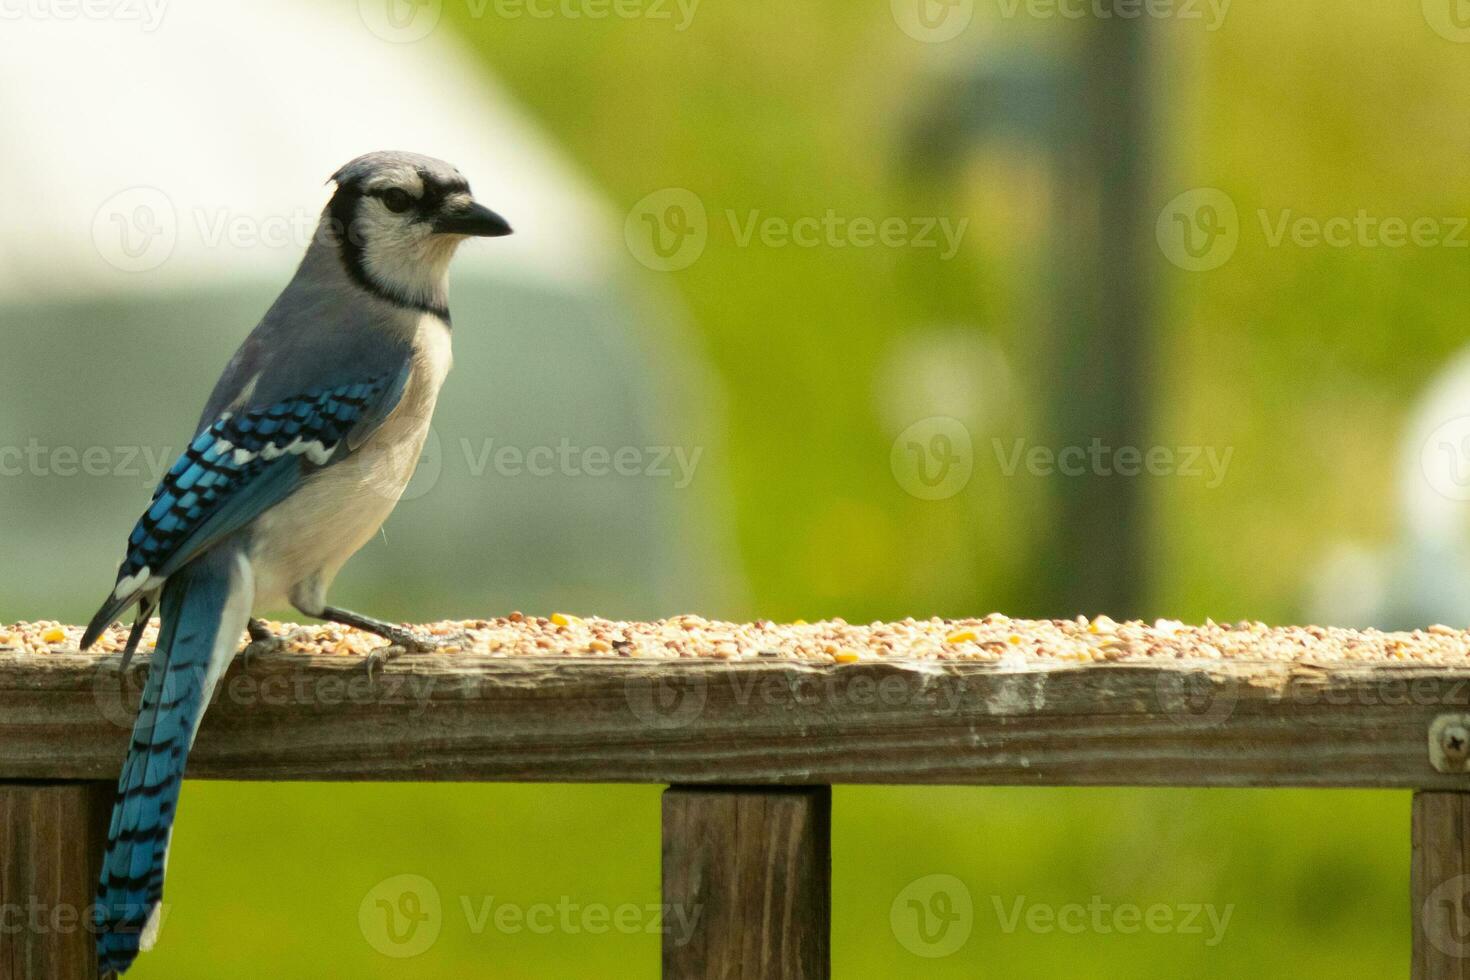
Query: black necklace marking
[[342, 210]]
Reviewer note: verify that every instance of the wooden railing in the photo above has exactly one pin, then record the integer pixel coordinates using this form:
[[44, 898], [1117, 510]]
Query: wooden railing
[[756, 735]]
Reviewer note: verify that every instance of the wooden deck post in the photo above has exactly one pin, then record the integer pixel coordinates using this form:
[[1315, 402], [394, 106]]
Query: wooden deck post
[[51, 837], [1440, 886], [750, 868]]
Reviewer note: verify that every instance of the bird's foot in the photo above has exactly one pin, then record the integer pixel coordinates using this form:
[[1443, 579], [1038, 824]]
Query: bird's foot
[[381, 657], [407, 640], [262, 642], [136, 673], [405, 643]]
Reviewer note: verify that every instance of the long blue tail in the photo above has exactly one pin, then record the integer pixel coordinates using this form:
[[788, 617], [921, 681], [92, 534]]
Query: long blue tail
[[204, 609]]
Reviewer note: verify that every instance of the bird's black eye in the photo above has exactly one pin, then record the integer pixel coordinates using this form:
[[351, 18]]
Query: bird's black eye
[[397, 200]]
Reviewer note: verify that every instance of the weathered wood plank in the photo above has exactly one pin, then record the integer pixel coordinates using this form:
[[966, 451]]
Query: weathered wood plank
[[1440, 886], [51, 839], [609, 719], [751, 869]]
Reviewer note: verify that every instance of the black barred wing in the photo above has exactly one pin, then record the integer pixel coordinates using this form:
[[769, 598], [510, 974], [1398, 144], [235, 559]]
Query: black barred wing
[[233, 471]]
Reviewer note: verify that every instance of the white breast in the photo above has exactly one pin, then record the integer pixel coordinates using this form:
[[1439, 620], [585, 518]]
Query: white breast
[[310, 535], [433, 356]]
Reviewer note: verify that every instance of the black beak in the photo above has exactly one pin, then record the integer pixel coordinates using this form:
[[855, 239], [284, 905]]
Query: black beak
[[476, 220]]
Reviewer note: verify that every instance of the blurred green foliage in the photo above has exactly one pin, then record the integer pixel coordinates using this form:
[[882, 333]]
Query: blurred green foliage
[[1301, 359], [269, 878]]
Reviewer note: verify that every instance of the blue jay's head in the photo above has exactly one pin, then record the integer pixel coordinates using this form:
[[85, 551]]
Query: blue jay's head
[[397, 218]]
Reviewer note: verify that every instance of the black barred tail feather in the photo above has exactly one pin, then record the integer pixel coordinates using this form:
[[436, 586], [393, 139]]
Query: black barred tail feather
[[204, 609]]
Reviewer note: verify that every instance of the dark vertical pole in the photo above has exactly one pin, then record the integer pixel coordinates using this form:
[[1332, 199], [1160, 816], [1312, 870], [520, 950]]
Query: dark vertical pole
[[749, 870], [51, 838], [1439, 886], [1101, 332]]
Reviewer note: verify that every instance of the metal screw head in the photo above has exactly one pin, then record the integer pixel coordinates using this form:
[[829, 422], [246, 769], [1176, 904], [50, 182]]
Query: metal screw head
[[1454, 740], [1449, 744]]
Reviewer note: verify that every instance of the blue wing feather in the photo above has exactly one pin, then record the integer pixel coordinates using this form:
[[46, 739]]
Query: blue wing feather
[[238, 467]]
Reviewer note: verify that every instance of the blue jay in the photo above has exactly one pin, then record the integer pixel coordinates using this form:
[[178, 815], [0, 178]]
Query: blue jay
[[307, 442]]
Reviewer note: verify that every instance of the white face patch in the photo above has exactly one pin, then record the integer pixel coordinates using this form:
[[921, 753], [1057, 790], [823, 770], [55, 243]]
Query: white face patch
[[401, 249]]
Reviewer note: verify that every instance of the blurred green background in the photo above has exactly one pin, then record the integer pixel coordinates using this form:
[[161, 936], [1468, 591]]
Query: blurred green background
[[1303, 361]]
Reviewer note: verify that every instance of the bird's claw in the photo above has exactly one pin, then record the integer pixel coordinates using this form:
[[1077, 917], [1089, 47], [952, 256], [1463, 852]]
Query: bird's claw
[[264, 643], [136, 673], [260, 647], [409, 644], [381, 657]]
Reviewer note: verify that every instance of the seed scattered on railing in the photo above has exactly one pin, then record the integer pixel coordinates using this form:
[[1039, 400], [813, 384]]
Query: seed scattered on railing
[[993, 638]]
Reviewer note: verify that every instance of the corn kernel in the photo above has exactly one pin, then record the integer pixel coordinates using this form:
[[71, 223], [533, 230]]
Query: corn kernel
[[846, 656], [1014, 639], [54, 635], [562, 620], [960, 636], [798, 622]]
